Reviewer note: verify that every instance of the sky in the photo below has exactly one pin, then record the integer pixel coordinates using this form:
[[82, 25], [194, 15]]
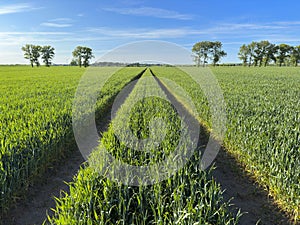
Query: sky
[[104, 25]]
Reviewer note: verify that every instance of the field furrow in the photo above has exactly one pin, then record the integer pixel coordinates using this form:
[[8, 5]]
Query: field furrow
[[36, 120], [129, 181]]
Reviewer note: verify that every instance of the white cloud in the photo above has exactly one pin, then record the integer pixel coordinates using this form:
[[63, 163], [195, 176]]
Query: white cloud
[[287, 23], [65, 20], [143, 33], [15, 8], [152, 12], [33, 33], [57, 25], [221, 30]]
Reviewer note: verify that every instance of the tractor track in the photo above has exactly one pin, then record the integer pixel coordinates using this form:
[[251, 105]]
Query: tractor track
[[238, 186], [37, 203]]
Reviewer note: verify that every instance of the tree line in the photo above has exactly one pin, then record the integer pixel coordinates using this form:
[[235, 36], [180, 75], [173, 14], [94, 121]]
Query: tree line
[[34, 52], [264, 52], [81, 55], [254, 54]]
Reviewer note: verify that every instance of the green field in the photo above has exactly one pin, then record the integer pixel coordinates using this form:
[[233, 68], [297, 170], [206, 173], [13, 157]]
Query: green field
[[263, 129], [36, 119], [263, 133]]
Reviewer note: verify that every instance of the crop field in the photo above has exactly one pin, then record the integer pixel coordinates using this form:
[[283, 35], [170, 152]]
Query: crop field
[[36, 119], [187, 197], [263, 129], [262, 133]]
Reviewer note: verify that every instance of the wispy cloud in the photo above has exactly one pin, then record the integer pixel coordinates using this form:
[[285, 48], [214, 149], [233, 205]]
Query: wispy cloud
[[15, 8], [57, 25], [139, 33], [152, 12], [33, 33], [132, 2], [231, 32], [65, 20], [287, 23]]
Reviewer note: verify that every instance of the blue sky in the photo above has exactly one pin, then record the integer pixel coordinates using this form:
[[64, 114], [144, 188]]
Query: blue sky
[[105, 24]]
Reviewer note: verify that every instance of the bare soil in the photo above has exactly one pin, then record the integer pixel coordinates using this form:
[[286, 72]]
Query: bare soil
[[33, 208], [256, 204]]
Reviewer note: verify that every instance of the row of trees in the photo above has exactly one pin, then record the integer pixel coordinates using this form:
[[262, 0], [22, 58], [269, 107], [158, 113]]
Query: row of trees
[[208, 50], [34, 52], [82, 55], [264, 52], [255, 53]]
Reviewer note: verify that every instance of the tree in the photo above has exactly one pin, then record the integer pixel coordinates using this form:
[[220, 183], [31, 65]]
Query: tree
[[36, 49], [283, 53], [217, 52], [82, 55], [47, 54], [201, 51], [205, 50], [32, 52], [295, 55], [28, 53], [77, 54], [271, 51], [266, 52], [244, 54], [73, 63], [251, 48], [250, 52], [260, 51], [87, 55]]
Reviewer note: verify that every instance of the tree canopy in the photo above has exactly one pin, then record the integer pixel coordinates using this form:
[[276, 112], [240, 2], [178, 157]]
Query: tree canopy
[[33, 53], [82, 55], [208, 50], [264, 52]]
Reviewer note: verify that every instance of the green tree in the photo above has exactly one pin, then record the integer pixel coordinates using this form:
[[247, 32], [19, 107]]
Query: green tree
[[267, 52], [206, 50], [244, 54], [73, 63], [36, 53], [82, 55], [284, 51], [28, 53], [216, 52], [261, 52], [201, 51], [47, 54], [271, 51], [87, 56], [295, 55], [32, 52], [251, 48]]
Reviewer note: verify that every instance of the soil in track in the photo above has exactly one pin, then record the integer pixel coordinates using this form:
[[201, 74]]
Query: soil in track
[[253, 201], [33, 208]]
